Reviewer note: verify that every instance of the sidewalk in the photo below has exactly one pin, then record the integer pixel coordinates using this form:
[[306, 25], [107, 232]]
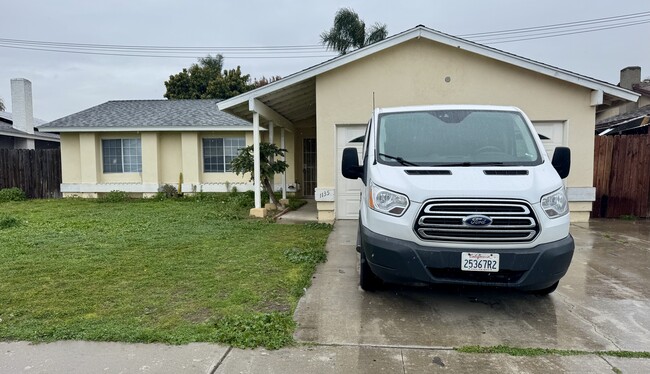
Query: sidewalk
[[304, 214], [116, 358]]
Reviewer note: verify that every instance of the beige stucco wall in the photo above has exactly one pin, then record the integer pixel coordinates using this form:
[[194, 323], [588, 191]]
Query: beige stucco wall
[[423, 72], [165, 155]]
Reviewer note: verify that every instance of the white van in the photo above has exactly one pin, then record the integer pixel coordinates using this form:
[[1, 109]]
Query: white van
[[460, 195]]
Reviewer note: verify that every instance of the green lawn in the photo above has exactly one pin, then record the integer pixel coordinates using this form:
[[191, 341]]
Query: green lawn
[[172, 271]]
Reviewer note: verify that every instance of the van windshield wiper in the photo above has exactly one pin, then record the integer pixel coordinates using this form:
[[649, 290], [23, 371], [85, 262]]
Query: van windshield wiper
[[467, 163], [399, 159]]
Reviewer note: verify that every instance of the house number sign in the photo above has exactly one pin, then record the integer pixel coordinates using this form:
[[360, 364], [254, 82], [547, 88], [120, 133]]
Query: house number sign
[[324, 194]]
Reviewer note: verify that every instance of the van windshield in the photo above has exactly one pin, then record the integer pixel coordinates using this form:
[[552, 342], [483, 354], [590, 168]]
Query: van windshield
[[455, 138]]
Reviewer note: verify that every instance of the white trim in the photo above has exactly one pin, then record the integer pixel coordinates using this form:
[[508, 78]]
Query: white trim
[[149, 187], [584, 194], [30, 136], [148, 129], [430, 34]]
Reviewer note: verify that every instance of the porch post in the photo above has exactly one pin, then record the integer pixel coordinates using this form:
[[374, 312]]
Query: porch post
[[258, 211], [271, 141]]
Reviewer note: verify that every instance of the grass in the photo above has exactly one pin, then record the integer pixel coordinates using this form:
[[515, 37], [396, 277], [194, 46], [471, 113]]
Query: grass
[[532, 352], [171, 271]]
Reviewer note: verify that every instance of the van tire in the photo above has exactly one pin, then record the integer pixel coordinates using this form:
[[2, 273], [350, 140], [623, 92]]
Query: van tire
[[547, 290], [367, 279]]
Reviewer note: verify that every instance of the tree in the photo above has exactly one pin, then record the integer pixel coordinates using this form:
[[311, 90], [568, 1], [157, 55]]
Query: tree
[[207, 80], [270, 164], [349, 32], [2, 105], [257, 83]]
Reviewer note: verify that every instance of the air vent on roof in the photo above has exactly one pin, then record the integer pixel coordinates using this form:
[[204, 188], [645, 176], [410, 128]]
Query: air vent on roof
[[427, 172], [505, 172]]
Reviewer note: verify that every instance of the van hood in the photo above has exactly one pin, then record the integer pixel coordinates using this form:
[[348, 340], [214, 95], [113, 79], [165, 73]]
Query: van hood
[[512, 182]]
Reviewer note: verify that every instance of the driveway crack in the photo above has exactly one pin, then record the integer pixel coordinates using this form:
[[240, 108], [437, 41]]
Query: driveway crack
[[573, 310], [401, 351]]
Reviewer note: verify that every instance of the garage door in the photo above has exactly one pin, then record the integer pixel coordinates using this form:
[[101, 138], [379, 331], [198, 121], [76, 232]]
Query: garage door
[[347, 190], [552, 134]]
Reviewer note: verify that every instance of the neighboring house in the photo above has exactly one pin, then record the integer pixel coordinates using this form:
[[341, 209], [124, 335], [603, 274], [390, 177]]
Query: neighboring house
[[327, 105], [137, 146], [629, 119], [17, 129]]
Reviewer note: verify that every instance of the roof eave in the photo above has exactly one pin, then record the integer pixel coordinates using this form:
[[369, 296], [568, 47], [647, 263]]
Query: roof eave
[[145, 129]]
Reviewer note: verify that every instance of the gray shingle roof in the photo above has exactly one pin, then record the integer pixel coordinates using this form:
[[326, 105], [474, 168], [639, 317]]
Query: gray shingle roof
[[143, 114], [6, 127]]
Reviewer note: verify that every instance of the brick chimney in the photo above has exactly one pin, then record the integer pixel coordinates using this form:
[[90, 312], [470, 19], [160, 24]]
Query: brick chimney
[[630, 76], [22, 113]]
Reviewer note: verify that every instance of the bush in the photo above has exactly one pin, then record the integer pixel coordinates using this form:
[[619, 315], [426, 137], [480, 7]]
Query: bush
[[12, 194], [167, 191], [114, 196]]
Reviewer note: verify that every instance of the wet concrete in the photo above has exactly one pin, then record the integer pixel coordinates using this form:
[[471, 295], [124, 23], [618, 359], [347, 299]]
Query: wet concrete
[[364, 359], [90, 357], [602, 304]]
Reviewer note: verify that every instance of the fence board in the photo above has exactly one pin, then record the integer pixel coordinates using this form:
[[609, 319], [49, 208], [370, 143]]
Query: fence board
[[622, 176], [37, 172]]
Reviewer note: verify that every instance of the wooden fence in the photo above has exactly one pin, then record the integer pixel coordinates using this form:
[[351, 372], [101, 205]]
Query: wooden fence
[[622, 176], [37, 172]]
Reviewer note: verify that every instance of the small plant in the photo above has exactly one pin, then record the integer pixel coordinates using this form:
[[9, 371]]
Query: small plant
[[629, 217], [167, 191], [114, 196], [305, 256], [7, 222], [12, 194]]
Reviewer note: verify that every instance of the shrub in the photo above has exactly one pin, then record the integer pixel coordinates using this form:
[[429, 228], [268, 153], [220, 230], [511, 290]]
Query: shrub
[[12, 194], [114, 196], [167, 191]]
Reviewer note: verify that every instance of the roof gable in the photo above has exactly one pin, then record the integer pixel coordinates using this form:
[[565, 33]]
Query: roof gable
[[445, 39]]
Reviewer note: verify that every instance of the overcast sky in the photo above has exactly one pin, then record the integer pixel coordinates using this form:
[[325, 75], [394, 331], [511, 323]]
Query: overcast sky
[[65, 83]]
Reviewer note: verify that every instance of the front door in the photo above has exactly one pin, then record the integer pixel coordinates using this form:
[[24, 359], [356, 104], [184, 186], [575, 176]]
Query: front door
[[309, 167]]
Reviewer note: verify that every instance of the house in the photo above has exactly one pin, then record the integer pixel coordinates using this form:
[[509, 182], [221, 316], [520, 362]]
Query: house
[[632, 118], [327, 105], [137, 146], [17, 129]]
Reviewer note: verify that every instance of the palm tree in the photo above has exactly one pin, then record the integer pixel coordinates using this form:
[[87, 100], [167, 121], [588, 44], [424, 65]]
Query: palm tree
[[349, 32]]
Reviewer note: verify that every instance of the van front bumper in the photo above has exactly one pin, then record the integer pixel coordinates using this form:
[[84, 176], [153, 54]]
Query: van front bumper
[[400, 261]]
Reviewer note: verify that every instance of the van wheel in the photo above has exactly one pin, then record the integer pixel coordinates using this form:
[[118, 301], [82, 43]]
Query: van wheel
[[547, 290], [367, 279]]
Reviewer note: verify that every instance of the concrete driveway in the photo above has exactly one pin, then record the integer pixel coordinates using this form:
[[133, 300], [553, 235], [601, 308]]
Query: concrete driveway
[[603, 304]]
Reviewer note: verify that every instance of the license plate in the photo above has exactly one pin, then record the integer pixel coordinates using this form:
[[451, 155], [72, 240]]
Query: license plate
[[471, 261]]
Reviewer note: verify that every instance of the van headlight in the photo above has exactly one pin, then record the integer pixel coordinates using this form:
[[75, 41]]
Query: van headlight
[[386, 201], [555, 204]]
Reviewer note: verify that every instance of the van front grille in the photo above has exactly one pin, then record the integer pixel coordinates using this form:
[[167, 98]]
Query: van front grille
[[476, 221]]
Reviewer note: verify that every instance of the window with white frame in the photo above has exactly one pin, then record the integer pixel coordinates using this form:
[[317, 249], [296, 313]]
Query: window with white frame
[[122, 155], [219, 152]]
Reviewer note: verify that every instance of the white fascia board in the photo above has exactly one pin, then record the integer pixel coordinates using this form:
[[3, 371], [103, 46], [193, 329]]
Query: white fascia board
[[29, 136], [147, 129], [445, 39]]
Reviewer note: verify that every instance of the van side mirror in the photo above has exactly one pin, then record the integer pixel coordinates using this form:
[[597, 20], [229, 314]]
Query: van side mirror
[[350, 164], [562, 161]]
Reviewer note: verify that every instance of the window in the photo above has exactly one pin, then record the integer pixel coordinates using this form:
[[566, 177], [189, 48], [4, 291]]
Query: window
[[219, 152], [122, 155]]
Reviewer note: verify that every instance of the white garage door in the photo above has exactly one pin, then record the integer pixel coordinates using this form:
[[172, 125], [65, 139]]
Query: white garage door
[[552, 134], [347, 190]]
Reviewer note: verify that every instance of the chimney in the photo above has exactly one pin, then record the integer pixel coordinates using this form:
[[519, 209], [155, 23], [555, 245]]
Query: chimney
[[22, 112], [630, 75]]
